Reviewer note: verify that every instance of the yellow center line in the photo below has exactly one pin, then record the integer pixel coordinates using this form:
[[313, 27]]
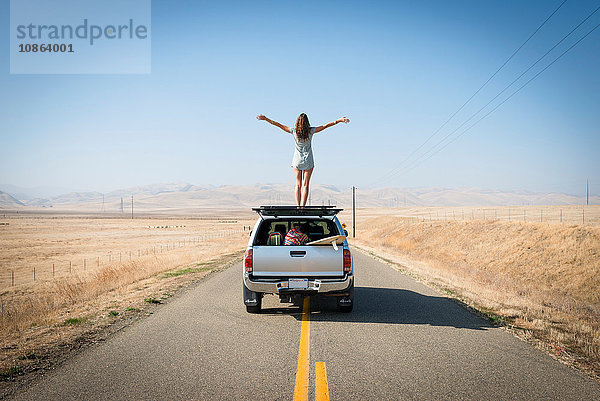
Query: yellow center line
[[322, 389], [301, 388]]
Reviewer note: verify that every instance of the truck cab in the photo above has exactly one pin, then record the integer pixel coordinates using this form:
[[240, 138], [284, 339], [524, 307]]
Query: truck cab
[[316, 259]]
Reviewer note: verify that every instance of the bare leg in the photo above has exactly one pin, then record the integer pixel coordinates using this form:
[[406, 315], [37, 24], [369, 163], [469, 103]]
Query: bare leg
[[298, 175], [305, 185]]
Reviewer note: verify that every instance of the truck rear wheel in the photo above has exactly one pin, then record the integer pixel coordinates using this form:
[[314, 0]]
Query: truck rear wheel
[[345, 308], [252, 300], [346, 303], [255, 308]]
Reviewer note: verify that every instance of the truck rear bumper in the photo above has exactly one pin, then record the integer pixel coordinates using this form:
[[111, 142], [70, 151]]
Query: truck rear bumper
[[314, 286]]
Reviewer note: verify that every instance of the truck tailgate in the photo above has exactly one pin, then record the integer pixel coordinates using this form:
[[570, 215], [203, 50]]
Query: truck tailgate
[[298, 261]]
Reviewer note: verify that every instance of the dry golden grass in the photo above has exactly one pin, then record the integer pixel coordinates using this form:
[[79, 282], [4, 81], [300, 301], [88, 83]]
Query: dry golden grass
[[541, 277], [565, 214], [29, 243], [35, 304], [33, 315]]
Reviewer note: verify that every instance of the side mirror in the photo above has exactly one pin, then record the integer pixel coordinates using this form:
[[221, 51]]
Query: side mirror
[[346, 232]]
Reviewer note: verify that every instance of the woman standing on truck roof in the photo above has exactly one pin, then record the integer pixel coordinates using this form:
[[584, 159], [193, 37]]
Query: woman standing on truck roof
[[303, 163]]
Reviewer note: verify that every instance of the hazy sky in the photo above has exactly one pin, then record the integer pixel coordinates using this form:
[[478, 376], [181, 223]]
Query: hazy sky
[[397, 69]]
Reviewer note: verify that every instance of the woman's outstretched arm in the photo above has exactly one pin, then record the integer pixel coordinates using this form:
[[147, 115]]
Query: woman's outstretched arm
[[275, 123], [339, 120]]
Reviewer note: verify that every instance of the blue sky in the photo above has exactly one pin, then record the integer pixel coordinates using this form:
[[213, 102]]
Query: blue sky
[[398, 70]]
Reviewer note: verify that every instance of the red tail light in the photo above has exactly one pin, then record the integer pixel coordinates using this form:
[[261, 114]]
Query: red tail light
[[248, 261], [347, 261]]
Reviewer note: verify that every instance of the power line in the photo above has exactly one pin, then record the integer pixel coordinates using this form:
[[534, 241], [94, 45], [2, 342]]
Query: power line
[[504, 101], [394, 170], [506, 88]]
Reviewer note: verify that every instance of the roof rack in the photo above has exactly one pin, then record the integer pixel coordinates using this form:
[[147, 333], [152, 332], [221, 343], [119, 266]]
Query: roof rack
[[297, 211]]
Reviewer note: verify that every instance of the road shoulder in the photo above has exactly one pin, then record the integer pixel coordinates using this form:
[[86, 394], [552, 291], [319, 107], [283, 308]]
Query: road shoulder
[[43, 349], [413, 269]]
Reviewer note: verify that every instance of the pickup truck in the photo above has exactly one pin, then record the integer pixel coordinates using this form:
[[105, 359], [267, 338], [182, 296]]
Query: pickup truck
[[296, 271]]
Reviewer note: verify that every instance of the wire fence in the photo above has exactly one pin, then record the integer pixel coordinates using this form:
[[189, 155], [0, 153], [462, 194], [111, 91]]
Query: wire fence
[[511, 214], [58, 268]]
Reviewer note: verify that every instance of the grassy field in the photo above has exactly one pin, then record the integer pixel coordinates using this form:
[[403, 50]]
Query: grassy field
[[539, 277], [46, 247], [165, 254], [542, 277], [570, 214]]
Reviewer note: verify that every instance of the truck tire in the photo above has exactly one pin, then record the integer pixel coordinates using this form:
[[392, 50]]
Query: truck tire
[[345, 308], [252, 300], [254, 308], [342, 304]]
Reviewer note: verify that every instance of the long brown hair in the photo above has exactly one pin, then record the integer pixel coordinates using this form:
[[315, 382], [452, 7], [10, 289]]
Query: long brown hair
[[302, 127]]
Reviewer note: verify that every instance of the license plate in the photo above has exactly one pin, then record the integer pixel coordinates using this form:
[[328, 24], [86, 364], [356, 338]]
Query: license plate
[[298, 283]]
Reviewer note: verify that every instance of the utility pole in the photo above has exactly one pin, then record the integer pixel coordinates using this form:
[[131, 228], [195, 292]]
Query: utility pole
[[121, 204], [132, 207], [353, 212], [587, 192]]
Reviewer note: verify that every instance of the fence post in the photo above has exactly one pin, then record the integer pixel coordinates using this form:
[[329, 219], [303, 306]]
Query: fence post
[[98, 262], [524, 215], [84, 264], [33, 273], [12, 278], [52, 270], [120, 257]]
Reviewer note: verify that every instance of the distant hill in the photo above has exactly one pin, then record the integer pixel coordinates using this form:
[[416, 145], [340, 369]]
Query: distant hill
[[170, 196], [7, 201], [23, 193]]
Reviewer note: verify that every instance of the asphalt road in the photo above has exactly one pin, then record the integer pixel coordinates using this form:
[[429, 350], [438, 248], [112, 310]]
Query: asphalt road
[[402, 341]]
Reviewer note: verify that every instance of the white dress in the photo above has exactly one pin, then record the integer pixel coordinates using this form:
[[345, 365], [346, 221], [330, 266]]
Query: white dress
[[303, 155]]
